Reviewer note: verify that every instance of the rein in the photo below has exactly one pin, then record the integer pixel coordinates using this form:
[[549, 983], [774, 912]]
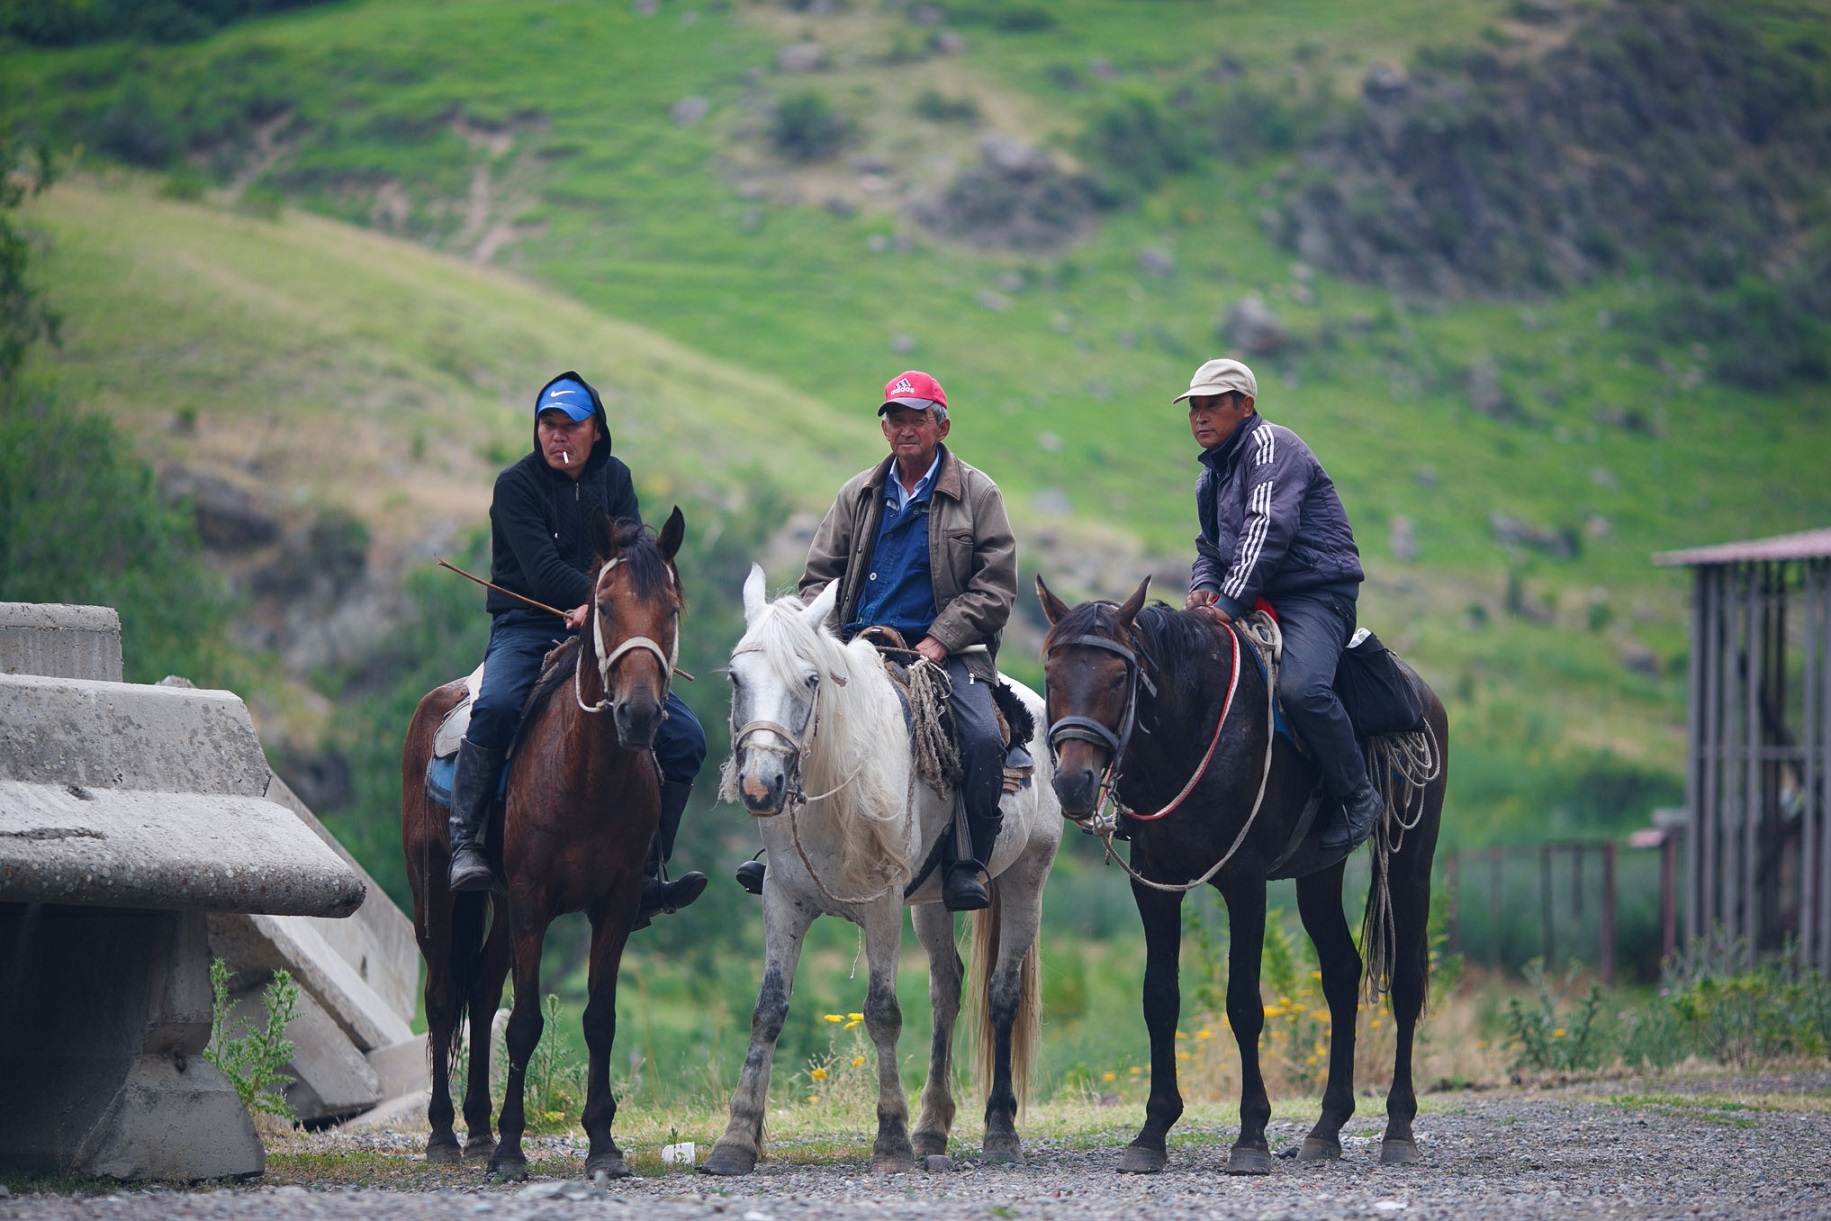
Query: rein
[[1266, 637], [608, 659]]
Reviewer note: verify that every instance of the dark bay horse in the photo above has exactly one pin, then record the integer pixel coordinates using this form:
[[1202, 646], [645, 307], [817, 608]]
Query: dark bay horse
[[1173, 704], [582, 804]]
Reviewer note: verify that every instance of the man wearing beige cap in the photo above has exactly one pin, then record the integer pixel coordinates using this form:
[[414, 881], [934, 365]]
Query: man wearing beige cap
[[1272, 527]]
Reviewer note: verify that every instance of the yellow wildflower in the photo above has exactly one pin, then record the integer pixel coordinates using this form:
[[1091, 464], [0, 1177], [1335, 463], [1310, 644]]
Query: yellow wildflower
[[1204, 1033], [1109, 1076], [1182, 1055], [858, 1061], [835, 1018], [818, 1074], [855, 1017], [1558, 1033], [848, 1025], [1182, 1034]]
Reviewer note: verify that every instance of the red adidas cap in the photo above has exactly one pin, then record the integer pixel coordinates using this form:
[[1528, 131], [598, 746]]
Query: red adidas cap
[[913, 389]]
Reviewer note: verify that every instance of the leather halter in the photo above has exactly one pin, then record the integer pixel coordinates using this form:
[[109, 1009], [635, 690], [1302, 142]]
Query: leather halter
[[607, 659], [1086, 728], [798, 741]]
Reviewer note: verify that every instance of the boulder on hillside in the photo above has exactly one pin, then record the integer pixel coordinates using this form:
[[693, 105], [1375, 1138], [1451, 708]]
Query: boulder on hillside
[[1251, 326], [1016, 198], [228, 518]]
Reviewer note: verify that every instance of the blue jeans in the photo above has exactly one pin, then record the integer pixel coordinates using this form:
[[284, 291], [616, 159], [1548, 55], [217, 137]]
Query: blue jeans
[[1317, 626], [510, 667]]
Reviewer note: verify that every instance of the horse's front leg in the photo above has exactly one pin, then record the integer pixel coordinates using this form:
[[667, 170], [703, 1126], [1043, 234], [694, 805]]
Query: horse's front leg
[[1163, 934], [891, 1153], [1319, 903], [525, 1023], [1246, 1014], [934, 926], [785, 921], [1013, 999], [610, 923]]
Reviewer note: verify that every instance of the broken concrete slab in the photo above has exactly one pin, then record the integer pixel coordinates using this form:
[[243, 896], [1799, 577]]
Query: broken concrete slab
[[330, 1079], [402, 1067], [255, 946]]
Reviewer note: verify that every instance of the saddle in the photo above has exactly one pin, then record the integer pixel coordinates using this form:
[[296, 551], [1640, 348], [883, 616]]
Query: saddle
[[924, 692], [442, 767]]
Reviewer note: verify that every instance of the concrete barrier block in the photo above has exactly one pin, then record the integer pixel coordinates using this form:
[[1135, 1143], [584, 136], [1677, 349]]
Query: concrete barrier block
[[128, 736], [330, 1078], [378, 939], [59, 641], [402, 1067], [68, 843], [103, 1020], [257, 945]]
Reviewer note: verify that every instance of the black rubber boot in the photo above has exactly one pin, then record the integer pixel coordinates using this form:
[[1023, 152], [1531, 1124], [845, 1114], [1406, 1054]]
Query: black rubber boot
[[964, 886], [659, 895], [473, 792], [1354, 820], [750, 875]]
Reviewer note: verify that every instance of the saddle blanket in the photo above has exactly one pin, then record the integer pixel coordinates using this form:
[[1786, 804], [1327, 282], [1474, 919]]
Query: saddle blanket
[[442, 768]]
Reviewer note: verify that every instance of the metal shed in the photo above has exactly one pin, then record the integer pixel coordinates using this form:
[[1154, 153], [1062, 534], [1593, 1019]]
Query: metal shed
[[1758, 777]]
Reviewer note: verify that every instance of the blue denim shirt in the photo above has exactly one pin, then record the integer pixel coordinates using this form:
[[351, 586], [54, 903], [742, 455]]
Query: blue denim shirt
[[899, 590]]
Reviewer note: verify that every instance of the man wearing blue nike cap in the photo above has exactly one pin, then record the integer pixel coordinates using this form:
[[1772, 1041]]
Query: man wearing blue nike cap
[[540, 547]]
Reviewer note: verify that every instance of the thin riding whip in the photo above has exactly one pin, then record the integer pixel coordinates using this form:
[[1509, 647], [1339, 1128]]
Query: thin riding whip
[[471, 576]]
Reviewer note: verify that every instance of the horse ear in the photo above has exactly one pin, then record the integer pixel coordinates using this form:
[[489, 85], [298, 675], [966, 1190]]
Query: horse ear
[[603, 535], [672, 532], [754, 599], [1053, 607], [1134, 604], [821, 607]]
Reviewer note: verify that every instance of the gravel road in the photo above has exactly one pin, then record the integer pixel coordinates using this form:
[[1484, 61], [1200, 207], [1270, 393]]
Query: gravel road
[[1612, 1150]]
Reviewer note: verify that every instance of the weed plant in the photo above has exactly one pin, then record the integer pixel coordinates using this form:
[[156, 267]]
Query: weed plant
[[1555, 1033], [252, 1059]]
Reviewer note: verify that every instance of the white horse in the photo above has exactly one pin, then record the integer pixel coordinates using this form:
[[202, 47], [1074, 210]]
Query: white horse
[[820, 754]]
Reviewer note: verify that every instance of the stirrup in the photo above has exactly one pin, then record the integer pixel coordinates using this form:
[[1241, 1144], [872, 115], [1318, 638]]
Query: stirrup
[[750, 875]]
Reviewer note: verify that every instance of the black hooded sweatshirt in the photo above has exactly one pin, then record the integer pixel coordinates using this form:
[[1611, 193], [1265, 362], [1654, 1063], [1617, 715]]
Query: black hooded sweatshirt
[[540, 523]]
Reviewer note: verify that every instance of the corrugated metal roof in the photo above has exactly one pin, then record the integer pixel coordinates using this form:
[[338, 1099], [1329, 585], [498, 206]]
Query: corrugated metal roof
[[1805, 545]]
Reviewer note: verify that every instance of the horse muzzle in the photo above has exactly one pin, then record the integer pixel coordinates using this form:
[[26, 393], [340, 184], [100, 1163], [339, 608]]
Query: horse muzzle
[[763, 791], [1078, 789], [638, 720]]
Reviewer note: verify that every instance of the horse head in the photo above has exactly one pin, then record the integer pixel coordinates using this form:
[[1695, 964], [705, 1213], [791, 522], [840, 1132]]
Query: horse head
[[1092, 675], [633, 638], [776, 677]]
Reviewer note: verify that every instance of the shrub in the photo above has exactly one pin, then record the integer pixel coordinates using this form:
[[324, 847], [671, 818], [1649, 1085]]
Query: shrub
[[252, 1060], [807, 128], [1139, 141], [1553, 1035], [937, 107]]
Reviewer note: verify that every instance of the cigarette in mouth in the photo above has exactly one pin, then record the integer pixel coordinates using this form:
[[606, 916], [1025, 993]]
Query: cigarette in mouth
[[566, 457]]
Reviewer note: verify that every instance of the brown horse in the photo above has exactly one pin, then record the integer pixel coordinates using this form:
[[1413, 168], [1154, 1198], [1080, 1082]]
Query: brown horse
[[582, 804], [1220, 798]]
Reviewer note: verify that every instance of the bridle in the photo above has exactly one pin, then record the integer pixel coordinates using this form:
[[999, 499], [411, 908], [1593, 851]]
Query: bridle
[[610, 657], [799, 741], [1087, 729]]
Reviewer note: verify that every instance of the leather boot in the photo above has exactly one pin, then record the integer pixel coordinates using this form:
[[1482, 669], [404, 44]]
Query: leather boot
[[658, 894], [473, 793], [1354, 819], [964, 886]]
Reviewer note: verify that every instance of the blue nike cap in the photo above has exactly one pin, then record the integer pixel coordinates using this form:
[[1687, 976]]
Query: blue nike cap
[[567, 396]]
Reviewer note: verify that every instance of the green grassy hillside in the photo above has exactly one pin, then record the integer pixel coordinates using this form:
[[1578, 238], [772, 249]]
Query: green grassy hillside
[[1509, 464]]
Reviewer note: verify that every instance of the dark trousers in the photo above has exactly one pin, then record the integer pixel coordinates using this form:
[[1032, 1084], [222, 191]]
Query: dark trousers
[[981, 750], [1316, 629], [513, 663]]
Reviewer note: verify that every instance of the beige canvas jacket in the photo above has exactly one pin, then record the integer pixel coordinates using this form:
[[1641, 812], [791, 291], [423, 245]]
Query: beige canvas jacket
[[972, 555]]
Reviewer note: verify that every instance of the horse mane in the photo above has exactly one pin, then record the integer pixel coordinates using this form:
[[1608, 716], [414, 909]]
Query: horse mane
[[859, 752], [641, 555], [1175, 644]]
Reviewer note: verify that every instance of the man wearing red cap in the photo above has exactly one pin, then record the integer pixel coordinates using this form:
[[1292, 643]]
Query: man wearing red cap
[[920, 543]]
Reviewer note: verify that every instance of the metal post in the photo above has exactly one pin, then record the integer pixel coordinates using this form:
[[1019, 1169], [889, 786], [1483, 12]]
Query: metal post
[[1547, 946], [1823, 795], [1576, 883], [1608, 914], [1695, 739], [1754, 648], [1701, 861], [1668, 883], [1494, 854], [1809, 696]]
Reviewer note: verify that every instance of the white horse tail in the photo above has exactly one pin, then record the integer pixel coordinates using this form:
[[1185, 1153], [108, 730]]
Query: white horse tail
[[1027, 1025]]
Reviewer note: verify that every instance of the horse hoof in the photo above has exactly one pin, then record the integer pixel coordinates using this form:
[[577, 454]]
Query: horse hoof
[[1316, 1149], [443, 1151], [1399, 1153], [1139, 1160], [728, 1161], [1003, 1151], [477, 1148], [607, 1165], [1249, 1161], [928, 1144], [892, 1163], [509, 1169]]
